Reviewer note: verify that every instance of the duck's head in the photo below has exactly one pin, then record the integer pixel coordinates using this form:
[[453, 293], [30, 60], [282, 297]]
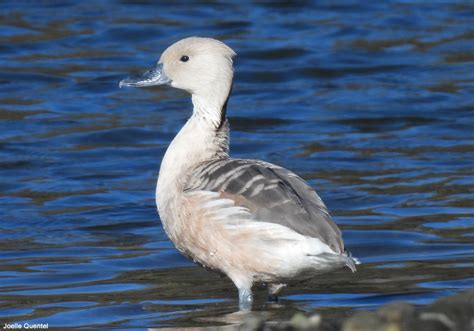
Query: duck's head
[[201, 66]]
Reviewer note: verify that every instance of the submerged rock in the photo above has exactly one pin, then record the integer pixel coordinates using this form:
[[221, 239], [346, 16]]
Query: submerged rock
[[454, 313], [300, 322], [450, 313], [365, 320]]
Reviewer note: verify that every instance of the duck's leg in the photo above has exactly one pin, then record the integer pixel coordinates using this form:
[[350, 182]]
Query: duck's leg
[[243, 282], [273, 291], [245, 299]]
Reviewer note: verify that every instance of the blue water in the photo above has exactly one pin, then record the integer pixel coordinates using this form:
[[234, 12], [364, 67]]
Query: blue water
[[372, 103]]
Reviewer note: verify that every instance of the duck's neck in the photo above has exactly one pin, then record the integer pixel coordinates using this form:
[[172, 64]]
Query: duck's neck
[[205, 136]]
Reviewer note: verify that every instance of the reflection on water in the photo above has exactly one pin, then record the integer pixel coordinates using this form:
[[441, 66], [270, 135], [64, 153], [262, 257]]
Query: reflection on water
[[373, 104]]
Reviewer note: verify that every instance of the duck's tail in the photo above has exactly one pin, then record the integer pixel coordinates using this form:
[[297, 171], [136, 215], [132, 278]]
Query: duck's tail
[[351, 262]]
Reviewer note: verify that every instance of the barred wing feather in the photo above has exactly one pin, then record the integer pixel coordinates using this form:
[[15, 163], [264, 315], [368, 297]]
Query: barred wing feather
[[271, 194]]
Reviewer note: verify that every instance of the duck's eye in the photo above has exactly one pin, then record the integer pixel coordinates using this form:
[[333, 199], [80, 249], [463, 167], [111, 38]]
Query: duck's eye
[[184, 58]]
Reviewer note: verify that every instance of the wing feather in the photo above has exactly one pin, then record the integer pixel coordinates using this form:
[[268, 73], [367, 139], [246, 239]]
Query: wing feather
[[272, 194]]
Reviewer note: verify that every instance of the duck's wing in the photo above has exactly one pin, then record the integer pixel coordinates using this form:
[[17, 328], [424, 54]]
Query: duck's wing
[[271, 194]]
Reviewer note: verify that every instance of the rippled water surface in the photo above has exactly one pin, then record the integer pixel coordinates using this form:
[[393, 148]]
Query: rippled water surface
[[372, 103]]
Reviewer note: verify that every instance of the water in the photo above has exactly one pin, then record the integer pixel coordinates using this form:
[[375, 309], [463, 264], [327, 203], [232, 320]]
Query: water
[[372, 103]]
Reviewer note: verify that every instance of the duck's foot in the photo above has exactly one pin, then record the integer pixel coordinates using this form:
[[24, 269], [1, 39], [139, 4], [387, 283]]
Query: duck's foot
[[272, 298], [273, 292], [245, 299]]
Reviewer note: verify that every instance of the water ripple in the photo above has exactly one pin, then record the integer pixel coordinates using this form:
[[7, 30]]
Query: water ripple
[[371, 102]]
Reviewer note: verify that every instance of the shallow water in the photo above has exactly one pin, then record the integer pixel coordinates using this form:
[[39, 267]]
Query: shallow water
[[373, 104]]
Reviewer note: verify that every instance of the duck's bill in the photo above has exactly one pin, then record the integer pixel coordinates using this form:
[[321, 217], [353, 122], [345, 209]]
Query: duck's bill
[[155, 76]]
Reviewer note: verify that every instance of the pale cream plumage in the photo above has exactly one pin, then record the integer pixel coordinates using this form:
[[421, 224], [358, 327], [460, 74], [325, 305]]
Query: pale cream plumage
[[253, 221]]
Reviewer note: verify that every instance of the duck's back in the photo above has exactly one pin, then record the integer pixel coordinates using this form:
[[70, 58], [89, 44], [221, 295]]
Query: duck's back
[[271, 194]]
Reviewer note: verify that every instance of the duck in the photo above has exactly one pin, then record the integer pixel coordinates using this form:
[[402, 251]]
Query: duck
[[253, 221]]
